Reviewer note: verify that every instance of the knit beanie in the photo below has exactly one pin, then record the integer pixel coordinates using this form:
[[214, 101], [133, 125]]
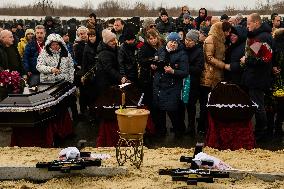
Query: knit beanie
[[193, 35], [164, 13], [148, 22], [29, 31], [204, 30], [173, 36], [129, 35], [186, 16], [107, 36]]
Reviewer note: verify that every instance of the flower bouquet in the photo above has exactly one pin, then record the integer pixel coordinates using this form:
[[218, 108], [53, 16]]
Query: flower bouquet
[[278, 92], [10, 82]]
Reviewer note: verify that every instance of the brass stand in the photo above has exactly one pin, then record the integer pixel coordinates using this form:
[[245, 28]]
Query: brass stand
[[130, 147]]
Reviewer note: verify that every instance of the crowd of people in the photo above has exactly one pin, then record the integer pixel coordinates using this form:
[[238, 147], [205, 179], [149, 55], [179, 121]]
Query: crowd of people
[[206, 50]]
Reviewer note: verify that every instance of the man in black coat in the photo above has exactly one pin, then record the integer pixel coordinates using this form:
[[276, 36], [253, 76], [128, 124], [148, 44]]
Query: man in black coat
[[258, 67], [165, 26], [9, 56], [127, 59], [120, 30]]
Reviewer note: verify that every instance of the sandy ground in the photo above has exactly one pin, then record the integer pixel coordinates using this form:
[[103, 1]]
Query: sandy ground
[[147, 176]]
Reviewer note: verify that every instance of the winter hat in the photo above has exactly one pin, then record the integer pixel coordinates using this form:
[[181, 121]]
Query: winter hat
[[164, 13], [224, 17], [54, 38], [29, 31], [193, 35], [148, 22], [186, 16], [48, 18], [129, 35], [107, 36], [173, 36], [204, 30]]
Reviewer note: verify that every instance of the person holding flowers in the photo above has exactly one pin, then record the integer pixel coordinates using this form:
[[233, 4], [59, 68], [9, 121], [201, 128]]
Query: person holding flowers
[[257, 64]]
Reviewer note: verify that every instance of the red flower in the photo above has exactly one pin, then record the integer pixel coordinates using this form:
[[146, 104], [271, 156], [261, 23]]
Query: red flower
[[139, 44], [10, 80]]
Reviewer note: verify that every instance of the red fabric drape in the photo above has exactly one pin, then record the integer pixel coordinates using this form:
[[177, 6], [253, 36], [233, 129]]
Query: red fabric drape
[[233, 135], [108, 132], [42, 136]]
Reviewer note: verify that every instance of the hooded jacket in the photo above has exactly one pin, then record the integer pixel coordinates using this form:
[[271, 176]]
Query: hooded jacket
[[198, 20], [49, 59], [214, 55], [233, 55]]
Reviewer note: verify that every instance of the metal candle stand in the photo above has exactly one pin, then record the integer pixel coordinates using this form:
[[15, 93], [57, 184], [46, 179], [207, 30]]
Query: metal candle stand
[[130, 147]]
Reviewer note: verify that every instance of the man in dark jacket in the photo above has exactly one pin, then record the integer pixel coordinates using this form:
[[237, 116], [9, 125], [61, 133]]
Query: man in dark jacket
[[120, 30], [32, 50], [158, 20], [258, 67], [79, 46], [165, 26], [51, 26], [127, 58], [9, 56]]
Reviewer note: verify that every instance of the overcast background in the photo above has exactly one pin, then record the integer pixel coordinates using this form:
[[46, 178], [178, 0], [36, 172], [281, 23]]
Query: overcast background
[[193, 4]]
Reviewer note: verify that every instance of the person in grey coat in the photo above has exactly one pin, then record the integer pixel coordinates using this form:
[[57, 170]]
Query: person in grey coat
[[170, 70]]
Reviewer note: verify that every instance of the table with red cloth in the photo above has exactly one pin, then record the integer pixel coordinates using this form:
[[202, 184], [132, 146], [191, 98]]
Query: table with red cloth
[[43, 135], [108, 132], [230, 135]]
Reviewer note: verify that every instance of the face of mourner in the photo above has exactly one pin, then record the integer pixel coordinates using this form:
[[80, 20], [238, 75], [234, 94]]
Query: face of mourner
[[189, 43], [153, 40], [40, 34], [251, 25], [8, 39], [172, 45], [117, 26], [92, 38], [55, 46], [233, 38], [30, 36], [112, 43], [83, 35]]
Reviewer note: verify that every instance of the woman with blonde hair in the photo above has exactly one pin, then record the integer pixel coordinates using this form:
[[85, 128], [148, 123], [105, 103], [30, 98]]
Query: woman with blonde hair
[[29, 34]]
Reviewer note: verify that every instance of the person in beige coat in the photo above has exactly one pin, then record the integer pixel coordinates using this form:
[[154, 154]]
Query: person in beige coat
[[213, 73], [214, 54]]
